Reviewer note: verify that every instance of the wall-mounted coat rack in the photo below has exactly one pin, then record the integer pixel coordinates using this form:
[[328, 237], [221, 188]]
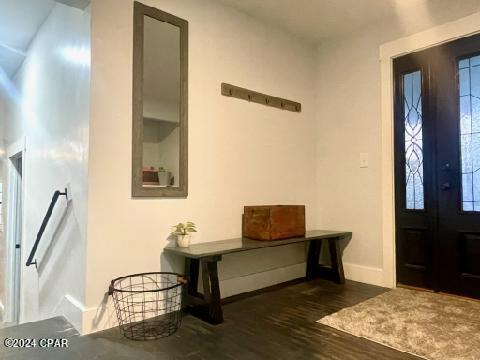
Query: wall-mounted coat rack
[[259, 98]]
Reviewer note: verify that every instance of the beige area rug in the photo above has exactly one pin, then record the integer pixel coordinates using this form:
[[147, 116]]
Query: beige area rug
[[429, 325]]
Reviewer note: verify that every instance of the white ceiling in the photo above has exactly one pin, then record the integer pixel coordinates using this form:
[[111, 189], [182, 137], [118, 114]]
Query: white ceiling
[[19, 22], [312, 20], [315, 20]]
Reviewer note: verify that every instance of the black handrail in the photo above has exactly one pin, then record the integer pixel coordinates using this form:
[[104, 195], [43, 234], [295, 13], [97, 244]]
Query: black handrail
[[47, 217]]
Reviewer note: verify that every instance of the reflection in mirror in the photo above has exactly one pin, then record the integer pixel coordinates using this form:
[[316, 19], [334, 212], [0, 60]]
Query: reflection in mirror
[[161, 104]]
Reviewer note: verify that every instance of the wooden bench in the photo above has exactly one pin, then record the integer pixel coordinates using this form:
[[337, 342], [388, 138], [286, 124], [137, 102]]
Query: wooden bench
[[206, 256]]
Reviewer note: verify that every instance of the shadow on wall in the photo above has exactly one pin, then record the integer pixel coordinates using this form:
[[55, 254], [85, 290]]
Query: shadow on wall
[[325, 253], [105, 307], [105, 315], [105, 311], [171, 263]]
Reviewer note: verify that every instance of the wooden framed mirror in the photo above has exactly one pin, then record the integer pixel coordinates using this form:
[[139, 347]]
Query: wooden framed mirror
[[160, 104]]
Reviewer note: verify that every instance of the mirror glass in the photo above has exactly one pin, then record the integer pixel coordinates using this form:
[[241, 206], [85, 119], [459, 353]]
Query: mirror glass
[[159, 103]]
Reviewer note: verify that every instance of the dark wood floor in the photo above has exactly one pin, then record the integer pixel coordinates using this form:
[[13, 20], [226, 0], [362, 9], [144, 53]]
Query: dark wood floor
[[278, 324]]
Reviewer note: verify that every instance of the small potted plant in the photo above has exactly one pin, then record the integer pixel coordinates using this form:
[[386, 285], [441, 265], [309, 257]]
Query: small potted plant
[[183, 230]]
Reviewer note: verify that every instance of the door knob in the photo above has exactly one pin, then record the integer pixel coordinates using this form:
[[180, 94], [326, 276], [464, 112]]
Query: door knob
[[446, 167], [446, 186]]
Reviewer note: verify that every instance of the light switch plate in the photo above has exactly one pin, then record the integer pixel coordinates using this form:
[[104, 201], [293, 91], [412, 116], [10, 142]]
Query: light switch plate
[[363, 160]]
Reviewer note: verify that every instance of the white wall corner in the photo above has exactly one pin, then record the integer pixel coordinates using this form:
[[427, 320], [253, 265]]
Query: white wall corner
[[73, 311], [364, 274]]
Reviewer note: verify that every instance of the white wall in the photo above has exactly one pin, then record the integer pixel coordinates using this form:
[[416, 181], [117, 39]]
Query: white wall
[[2, 237], [52, 115], [240, 153], [349, 123]]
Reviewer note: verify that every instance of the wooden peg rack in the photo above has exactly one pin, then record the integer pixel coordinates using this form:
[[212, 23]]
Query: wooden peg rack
[[259, 98]]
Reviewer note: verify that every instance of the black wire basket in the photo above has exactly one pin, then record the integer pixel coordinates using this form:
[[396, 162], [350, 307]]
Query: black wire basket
[[148, 305]]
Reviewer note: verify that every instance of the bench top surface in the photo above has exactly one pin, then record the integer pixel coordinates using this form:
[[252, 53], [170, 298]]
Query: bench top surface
[[198, 251]]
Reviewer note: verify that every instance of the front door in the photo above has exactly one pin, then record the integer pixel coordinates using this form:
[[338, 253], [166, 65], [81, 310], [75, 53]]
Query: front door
[[437, 167]]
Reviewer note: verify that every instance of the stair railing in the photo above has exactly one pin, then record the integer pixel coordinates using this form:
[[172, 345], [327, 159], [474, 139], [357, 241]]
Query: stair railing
[[31, 258]]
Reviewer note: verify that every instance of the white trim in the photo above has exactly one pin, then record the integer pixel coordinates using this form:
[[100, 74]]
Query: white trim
[[72, 310], [364, 274], [17, 148], [466, 26], [75, 302]]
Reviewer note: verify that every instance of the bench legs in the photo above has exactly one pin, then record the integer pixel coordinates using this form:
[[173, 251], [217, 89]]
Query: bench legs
[[315, 270], [206, 306], [215, 313], [313, 258]]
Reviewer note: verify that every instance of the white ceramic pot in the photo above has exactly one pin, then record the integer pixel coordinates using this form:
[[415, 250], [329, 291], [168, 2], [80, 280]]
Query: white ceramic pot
[[183, 240], [164, 178]]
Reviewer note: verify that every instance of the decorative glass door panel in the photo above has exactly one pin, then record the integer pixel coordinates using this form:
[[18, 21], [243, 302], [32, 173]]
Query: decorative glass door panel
[[412, 98], [469, 109]]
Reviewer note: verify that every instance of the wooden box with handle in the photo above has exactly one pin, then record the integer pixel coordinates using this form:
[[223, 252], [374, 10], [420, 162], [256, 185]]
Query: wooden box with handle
[[274, 222]]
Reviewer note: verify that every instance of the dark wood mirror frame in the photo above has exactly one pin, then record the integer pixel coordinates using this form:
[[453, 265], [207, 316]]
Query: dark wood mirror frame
[[138, 190]]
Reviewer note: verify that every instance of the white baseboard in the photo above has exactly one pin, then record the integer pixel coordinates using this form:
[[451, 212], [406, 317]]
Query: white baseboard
[[72, 310], [364, 274]]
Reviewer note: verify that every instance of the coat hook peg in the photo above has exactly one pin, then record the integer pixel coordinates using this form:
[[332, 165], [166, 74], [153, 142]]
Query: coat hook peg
[[249, 97], [266, 101]]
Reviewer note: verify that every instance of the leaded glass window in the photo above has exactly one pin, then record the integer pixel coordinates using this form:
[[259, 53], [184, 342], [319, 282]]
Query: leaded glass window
[[412, 102], [469, 101]]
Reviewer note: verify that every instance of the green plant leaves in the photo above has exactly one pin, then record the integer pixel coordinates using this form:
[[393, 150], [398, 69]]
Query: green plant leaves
[[184, 228]]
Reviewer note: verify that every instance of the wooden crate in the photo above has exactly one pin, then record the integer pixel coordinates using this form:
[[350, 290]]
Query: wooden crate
[[273, 222]]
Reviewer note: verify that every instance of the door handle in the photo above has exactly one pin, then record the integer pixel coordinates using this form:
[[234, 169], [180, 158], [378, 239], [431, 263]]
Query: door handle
[[446, 167], [446, 186]]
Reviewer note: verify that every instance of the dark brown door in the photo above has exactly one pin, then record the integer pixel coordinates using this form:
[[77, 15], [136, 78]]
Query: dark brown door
[[437, 167]]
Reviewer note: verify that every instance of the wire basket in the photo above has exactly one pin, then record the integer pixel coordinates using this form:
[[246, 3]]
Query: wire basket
[[148, 305]]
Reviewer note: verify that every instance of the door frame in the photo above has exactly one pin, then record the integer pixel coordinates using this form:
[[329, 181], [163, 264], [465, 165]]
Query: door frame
[[16, 150], [437, 35]]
